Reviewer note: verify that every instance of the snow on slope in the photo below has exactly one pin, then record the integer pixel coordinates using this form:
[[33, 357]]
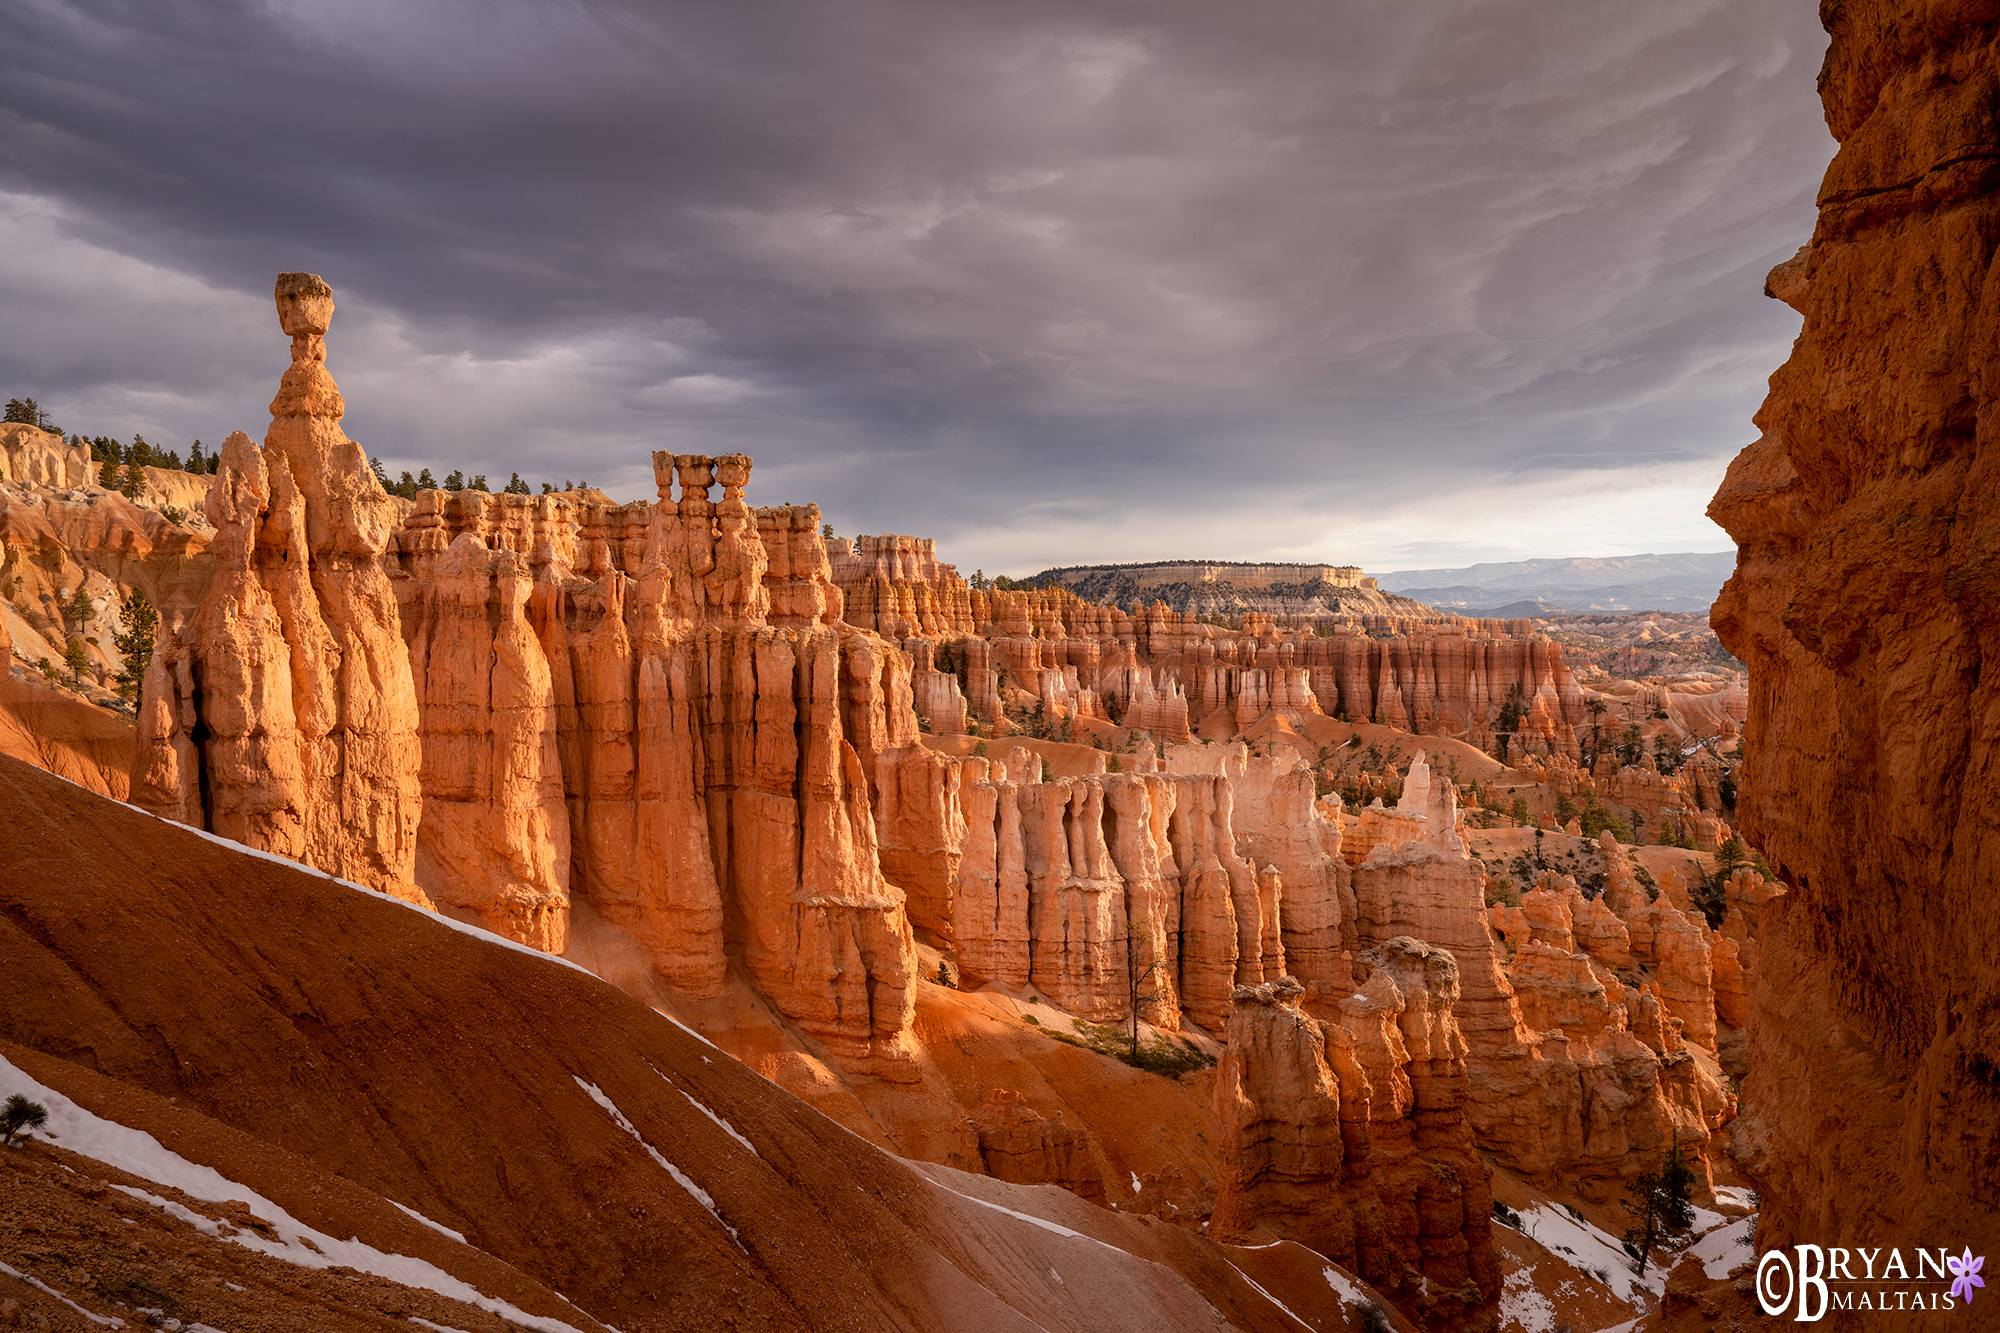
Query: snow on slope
[[1726, 1248], [1591, 1250], [140, 1154], [681, 1178]]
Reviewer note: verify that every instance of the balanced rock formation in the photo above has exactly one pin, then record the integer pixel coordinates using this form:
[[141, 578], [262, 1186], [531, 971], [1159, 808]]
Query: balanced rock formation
[[508, 704], [283, 714], [1867, 522]]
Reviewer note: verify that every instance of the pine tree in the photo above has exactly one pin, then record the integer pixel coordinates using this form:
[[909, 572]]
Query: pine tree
[[1662, 1209], [110, 476], [479, 483], [425, 481], [77, 658], [456, 481], [79, 609], [381, 477], [515, 486], [406, 485], [135, 642], [29, 412], [135, 480], [196, 463]]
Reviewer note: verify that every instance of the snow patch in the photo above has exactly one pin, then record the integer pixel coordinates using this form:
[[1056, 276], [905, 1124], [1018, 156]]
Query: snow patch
[[1344, 1289], [1736, 1195], [1590, 1250], [1258, 1288], [1135, 1182], [1726, 1248], [441, 1328], [140, 1154], [441, 1229], [108, 1320], [692, 1033], [721, 1124], [681, 1178], [1523, 1305], [1056, 1227], [440, 918]]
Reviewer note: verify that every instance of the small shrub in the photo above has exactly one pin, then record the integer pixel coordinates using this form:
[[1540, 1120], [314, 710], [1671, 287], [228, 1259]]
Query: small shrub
[[944, 977], [1031, 1020], [1506, 1216], [1374, 1319], [1168, 1060], [19, 1116], [979, 750]]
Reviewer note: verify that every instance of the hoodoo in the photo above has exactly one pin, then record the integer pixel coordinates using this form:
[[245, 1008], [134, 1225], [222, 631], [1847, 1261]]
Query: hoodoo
[[283, 713]]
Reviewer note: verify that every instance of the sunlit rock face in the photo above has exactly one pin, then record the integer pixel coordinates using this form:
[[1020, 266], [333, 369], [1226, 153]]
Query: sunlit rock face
[[1867, 518], [283, 713]]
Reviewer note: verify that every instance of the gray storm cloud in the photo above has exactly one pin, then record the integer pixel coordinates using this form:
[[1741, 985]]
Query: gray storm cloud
[[1052, 282]]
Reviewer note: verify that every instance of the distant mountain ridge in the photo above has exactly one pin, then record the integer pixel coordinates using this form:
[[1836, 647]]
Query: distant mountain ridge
[[1682, 581]]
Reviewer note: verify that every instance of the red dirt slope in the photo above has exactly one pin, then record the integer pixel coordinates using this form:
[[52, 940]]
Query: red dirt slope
[[330, 1048]]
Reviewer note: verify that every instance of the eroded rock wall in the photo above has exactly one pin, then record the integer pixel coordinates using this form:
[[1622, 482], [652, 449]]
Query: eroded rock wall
[[1350, 1136], [1867, 520], [1165, 671], [683, 708]]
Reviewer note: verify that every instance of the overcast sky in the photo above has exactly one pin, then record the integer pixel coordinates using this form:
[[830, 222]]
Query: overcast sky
[[1396, 282]]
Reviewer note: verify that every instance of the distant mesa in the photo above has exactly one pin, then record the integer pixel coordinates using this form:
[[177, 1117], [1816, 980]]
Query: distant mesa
[[1166, 573], [1227, 587]]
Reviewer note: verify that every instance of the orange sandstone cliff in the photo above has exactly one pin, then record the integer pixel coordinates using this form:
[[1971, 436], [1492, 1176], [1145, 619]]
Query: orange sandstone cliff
[[1866, 601]]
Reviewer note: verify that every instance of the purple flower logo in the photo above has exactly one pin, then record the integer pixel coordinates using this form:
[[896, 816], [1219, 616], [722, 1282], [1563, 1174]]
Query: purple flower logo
[[1965, 1274]]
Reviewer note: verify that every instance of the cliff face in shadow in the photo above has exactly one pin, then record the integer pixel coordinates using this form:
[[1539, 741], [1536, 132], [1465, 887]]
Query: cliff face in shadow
[[1866, 602]]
